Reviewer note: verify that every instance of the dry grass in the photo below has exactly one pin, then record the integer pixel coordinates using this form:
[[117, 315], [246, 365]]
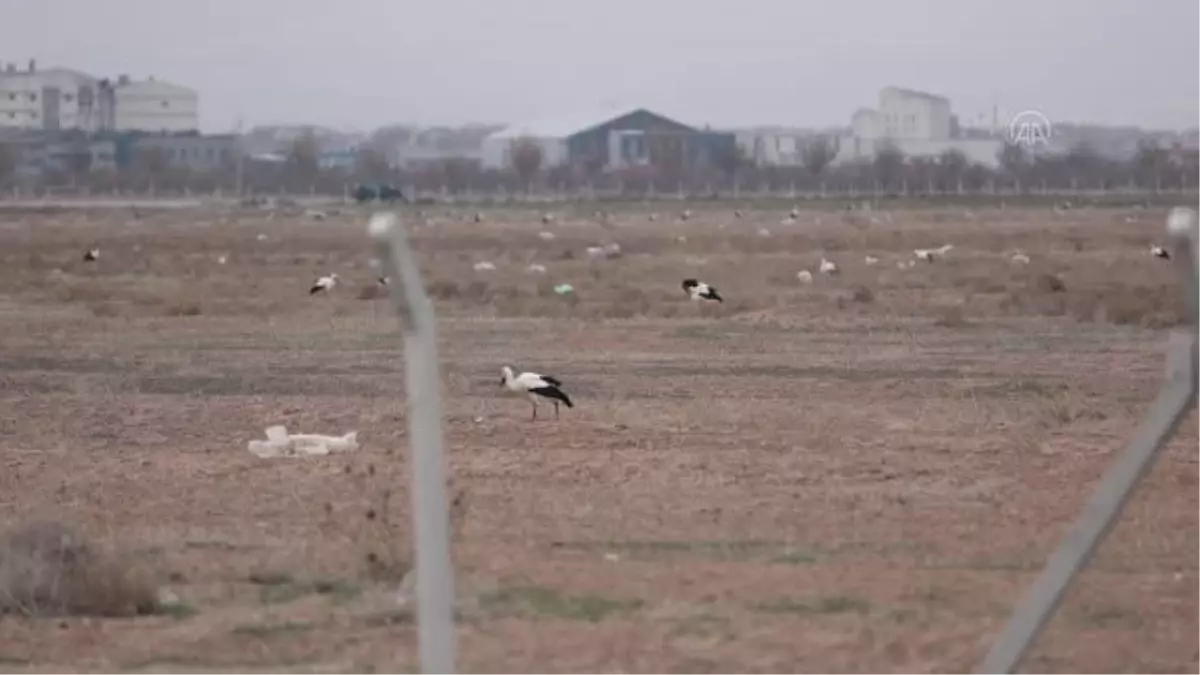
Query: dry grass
[[898, 448], [50, 569]]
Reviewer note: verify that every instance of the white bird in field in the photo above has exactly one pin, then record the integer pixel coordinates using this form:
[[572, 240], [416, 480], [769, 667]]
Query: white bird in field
[[737, 213], [596, 252], [324, 283], [828, 266], [546, 236], [534, 386], [928, 254], [221, 260], [870, 260], [536, 269], [804, 276], [1159, 252], [91, 255], [484, 266], [478, 217], [1019, 258], [905, 264], [687, 213], [699, 290], [383, 281], [653, 217], [547, 218]]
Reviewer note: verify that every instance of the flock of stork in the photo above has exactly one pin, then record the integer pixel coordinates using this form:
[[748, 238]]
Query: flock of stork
[[535, 386]]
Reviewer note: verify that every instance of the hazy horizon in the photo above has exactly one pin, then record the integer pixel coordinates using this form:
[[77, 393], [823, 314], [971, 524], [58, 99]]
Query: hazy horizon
[[365, 63]]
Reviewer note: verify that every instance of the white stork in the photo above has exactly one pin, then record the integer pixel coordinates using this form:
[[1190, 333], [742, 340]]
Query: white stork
[[533, 386]]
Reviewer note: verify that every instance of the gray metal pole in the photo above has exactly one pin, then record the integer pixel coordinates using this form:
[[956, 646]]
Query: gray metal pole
[[1102, 511], [431, 520]]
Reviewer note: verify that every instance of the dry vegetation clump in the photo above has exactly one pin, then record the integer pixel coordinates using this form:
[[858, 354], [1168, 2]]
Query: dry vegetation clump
[[1101, 299], [51, 569]]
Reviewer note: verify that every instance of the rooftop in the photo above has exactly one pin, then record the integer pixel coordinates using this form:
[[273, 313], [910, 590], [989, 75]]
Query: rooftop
[[561, 126], [913, 93]]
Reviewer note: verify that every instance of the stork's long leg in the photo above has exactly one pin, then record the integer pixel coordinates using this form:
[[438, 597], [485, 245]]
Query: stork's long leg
[[534, 418], [556, 410]]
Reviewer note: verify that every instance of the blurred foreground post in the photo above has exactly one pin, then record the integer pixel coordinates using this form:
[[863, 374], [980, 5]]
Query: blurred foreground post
[[1177, 398], [431, 520]]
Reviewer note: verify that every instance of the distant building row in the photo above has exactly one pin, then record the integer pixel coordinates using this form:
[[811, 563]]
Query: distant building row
[[916, 123], [61, 99]]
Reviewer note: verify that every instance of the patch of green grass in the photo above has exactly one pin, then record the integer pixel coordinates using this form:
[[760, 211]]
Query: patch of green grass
[[541, 601], [271, 629], [176, 610], [795, 558], [834, 604], [340, 590], [281, 587], [281, 593], [723, 550]]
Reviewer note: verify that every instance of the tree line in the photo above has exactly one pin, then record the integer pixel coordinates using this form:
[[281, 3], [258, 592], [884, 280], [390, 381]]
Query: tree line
[[1152, 167]]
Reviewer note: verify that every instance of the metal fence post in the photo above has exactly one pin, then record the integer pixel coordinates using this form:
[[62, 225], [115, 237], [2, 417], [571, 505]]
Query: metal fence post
[[431, 520], [1177, 398]]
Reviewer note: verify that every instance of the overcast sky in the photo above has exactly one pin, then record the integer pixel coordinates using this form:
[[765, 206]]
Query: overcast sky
[[357, 64]]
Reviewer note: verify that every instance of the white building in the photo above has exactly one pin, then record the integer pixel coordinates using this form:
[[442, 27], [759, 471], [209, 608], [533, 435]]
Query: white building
[[155, 106], [915, 123], [53, 99], [772, 147], [549, 134]]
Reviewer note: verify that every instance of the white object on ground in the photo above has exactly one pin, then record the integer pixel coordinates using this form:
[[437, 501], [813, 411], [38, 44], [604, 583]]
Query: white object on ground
[[280, 443]]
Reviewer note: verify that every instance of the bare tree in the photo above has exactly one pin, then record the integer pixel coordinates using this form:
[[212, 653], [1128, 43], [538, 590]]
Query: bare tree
[[888, 167], [303, 162], [370, 165], [79, 164], [458, 172], [730, 159], [526, 159], [1151, 163], [1013, 159], [8, 163], [817, 154], [149, 166], [952, 165]]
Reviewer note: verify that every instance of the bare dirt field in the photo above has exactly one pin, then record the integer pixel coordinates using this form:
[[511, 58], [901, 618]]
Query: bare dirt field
[[858, 474]]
